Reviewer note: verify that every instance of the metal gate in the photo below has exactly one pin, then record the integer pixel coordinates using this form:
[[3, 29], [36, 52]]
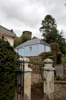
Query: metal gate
[[16, 81], [20, 79]]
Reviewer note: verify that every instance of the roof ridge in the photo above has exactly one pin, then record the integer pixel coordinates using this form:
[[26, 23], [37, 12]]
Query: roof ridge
[[8, 31], [31, 42]]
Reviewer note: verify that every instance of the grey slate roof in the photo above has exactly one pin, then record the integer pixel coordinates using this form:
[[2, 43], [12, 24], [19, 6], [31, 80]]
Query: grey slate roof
[[5, 31], [31, 42]]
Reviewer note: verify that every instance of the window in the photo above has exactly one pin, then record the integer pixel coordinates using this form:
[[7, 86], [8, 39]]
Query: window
[[30, 48]]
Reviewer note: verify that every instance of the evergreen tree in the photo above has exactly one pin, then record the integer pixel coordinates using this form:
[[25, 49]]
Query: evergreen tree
[[49, 27], [48, 24]]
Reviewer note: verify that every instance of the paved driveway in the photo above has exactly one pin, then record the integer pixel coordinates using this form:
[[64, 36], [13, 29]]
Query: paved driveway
[[59, 70]]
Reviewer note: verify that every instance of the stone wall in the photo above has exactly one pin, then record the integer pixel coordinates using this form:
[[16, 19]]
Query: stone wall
[[36, 75], [36, 58], [60, 90], [35, 68], [40, 58]]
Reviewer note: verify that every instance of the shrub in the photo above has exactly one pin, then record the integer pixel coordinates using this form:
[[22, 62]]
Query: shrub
[[54, 46], [46, 54], [7, 70], [35, 63], [60, 78], [59, 58], [61, 61], [51, 57], [64, 58]]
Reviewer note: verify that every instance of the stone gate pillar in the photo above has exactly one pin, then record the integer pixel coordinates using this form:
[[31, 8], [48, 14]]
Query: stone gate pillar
[[27, 79], [49, 79]]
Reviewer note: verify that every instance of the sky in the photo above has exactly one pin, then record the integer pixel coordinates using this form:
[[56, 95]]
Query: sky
[[26, 15]]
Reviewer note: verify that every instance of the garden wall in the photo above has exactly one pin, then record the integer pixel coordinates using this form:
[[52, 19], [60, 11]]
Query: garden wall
[[40, 57], [60, 90], [36, 58], [35, 68], [35, 74]]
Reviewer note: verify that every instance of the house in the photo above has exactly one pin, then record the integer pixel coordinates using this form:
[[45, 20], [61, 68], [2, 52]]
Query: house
[[32, 48], [7, 35]]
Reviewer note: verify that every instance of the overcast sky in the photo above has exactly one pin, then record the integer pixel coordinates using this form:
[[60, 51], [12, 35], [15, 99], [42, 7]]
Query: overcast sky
[[21, 15]]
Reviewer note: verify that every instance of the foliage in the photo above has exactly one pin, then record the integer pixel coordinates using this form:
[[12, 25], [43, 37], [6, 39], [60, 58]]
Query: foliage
[[34, 84], [61, 61], [60, 78], [59, 58], [12, 30], [51, 57], [46, 54], [49, 27], [7, 70], [65, 57], [35, 63], [63, 48], [34, 37], [17, 41], [47, 24], [55, 36], [25, 38], [54, 46]]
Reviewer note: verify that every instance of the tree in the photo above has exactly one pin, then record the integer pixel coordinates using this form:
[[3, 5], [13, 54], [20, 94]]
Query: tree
[[47, 24], [52, 36], [17, 41], [56, 36], [49, 28], [25, 38]]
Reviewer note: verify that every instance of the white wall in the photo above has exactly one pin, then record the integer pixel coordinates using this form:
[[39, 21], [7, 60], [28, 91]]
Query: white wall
[[9, 38]]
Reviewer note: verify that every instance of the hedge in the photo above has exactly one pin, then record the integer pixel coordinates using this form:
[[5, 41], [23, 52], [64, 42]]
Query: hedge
[[7, 70]]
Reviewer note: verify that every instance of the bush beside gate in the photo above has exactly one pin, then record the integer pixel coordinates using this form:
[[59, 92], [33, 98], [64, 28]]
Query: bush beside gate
[[7, 70]]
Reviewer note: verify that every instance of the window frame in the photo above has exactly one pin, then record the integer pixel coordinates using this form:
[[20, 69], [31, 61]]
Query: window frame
[[30, 48]]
